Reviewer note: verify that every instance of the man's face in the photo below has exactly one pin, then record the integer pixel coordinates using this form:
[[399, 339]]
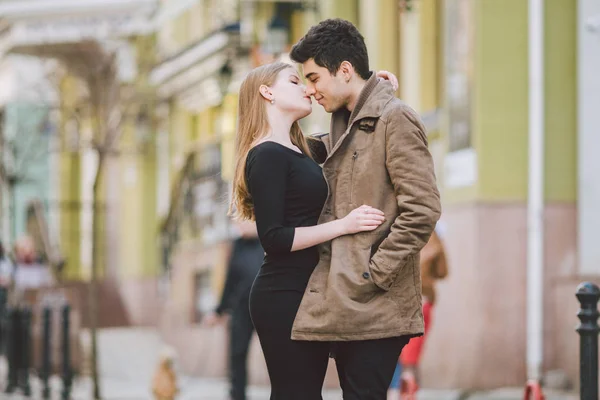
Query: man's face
[[330, 91]]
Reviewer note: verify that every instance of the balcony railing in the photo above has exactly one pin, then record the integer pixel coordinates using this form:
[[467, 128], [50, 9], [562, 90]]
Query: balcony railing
[[198, 204]]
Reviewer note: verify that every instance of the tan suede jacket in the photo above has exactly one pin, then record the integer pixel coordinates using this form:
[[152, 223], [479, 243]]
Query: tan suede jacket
[[368, 285]]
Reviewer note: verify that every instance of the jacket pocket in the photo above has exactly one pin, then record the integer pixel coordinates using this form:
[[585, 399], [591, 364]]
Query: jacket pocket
[[354, 274], [391, 275], [406, 286]]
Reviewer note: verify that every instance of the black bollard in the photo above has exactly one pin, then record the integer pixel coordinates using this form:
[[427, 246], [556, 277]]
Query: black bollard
[[66, 352], [588, 295], [46, 368], [13, 344], [25, 350]]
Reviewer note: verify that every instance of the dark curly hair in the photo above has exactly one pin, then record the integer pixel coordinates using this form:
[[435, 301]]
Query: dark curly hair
[[331, 42]]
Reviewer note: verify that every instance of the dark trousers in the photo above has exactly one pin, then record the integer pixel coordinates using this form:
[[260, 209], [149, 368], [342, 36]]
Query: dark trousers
[[366, 368], [240, 334]]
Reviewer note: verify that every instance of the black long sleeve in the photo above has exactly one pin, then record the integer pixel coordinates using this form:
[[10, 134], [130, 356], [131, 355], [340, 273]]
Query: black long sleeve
[[231, 282], [245, 261], [267, 172]]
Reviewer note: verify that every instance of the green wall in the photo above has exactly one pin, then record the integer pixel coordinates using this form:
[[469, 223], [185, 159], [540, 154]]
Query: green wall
[[500, 102]]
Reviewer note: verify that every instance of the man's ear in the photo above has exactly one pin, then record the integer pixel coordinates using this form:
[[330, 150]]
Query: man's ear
[[265, 92], [347, 70]]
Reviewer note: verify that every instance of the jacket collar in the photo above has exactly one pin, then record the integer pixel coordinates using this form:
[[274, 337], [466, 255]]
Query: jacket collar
[[370, 104]]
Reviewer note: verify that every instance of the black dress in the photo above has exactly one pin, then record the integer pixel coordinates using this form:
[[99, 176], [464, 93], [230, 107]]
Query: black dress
[[288, 191]]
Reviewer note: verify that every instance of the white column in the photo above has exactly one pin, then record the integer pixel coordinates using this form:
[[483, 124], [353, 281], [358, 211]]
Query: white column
[[368, 18], [588, 65], [410, 59], [535, 201]]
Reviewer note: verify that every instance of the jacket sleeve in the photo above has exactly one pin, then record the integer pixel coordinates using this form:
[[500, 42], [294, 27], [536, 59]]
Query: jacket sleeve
[[317, 147], [410, 168]]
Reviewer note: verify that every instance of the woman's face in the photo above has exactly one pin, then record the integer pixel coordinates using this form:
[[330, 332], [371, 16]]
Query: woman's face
[[289, 94]]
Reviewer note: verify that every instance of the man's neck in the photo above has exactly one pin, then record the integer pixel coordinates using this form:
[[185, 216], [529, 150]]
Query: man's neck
[[357, 87]]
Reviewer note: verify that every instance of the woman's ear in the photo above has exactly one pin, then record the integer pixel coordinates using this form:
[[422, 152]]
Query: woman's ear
[[265, 92]]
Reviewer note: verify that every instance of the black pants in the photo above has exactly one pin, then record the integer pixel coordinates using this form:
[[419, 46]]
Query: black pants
[[240, 334], [296, 368], [366, 368]]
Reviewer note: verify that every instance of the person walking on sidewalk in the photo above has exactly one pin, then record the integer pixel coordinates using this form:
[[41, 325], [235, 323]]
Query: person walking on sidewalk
[[434, 267], [365, 293], [6, 281], [245, 260], [278, 184]]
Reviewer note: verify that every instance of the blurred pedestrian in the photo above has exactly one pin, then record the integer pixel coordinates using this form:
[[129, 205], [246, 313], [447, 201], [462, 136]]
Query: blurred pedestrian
[[6, 269], [364, 295], [164, 382], [6, 280], [433, 268], [244, 263], [30, 273]]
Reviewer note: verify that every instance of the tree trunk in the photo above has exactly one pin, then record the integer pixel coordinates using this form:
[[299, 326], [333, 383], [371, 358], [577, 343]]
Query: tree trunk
[[93, 292]]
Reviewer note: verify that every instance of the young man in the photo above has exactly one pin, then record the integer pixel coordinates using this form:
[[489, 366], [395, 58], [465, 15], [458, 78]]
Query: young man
[[365, 293]]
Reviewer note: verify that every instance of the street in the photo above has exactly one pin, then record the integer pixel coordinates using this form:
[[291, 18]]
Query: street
[[128, 358], [207, 389]]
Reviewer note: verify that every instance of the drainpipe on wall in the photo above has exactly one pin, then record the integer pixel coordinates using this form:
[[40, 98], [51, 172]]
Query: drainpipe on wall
[[535, 199]]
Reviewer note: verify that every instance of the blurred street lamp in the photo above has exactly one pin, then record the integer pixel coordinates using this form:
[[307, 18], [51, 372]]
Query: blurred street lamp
[[225, 75], [406, 5], [143, 128], [277, 37], [593, 24]]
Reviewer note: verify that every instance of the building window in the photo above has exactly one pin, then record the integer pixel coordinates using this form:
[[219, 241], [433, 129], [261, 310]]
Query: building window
[[459, 71], [460, 164], [209, 193]]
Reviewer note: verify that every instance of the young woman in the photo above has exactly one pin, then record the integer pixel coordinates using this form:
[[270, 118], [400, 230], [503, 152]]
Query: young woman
[[278, 184]]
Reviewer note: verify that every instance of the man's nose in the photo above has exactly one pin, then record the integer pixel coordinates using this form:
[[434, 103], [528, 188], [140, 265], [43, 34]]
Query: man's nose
[[310, 91]]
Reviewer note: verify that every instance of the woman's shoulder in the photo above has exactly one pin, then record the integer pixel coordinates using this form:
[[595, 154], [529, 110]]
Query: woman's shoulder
[[266, 146], [268, 151], [267, 155]]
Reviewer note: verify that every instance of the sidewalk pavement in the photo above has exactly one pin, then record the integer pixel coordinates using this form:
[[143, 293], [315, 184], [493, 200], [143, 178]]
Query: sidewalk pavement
[[128, 359], [216, 389]]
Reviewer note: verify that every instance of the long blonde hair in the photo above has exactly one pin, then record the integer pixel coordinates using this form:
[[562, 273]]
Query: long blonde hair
[[253, 126]]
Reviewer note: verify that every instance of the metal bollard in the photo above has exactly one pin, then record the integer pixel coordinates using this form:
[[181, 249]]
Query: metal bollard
[[13, 344], [46, 368], [25, 350], [588, 295], [66, 352]]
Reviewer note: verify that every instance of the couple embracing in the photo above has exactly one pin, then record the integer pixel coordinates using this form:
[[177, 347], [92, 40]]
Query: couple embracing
[[342, 217]]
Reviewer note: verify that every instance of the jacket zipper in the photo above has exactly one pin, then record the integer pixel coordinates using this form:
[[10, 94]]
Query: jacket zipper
[[354, 157]]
